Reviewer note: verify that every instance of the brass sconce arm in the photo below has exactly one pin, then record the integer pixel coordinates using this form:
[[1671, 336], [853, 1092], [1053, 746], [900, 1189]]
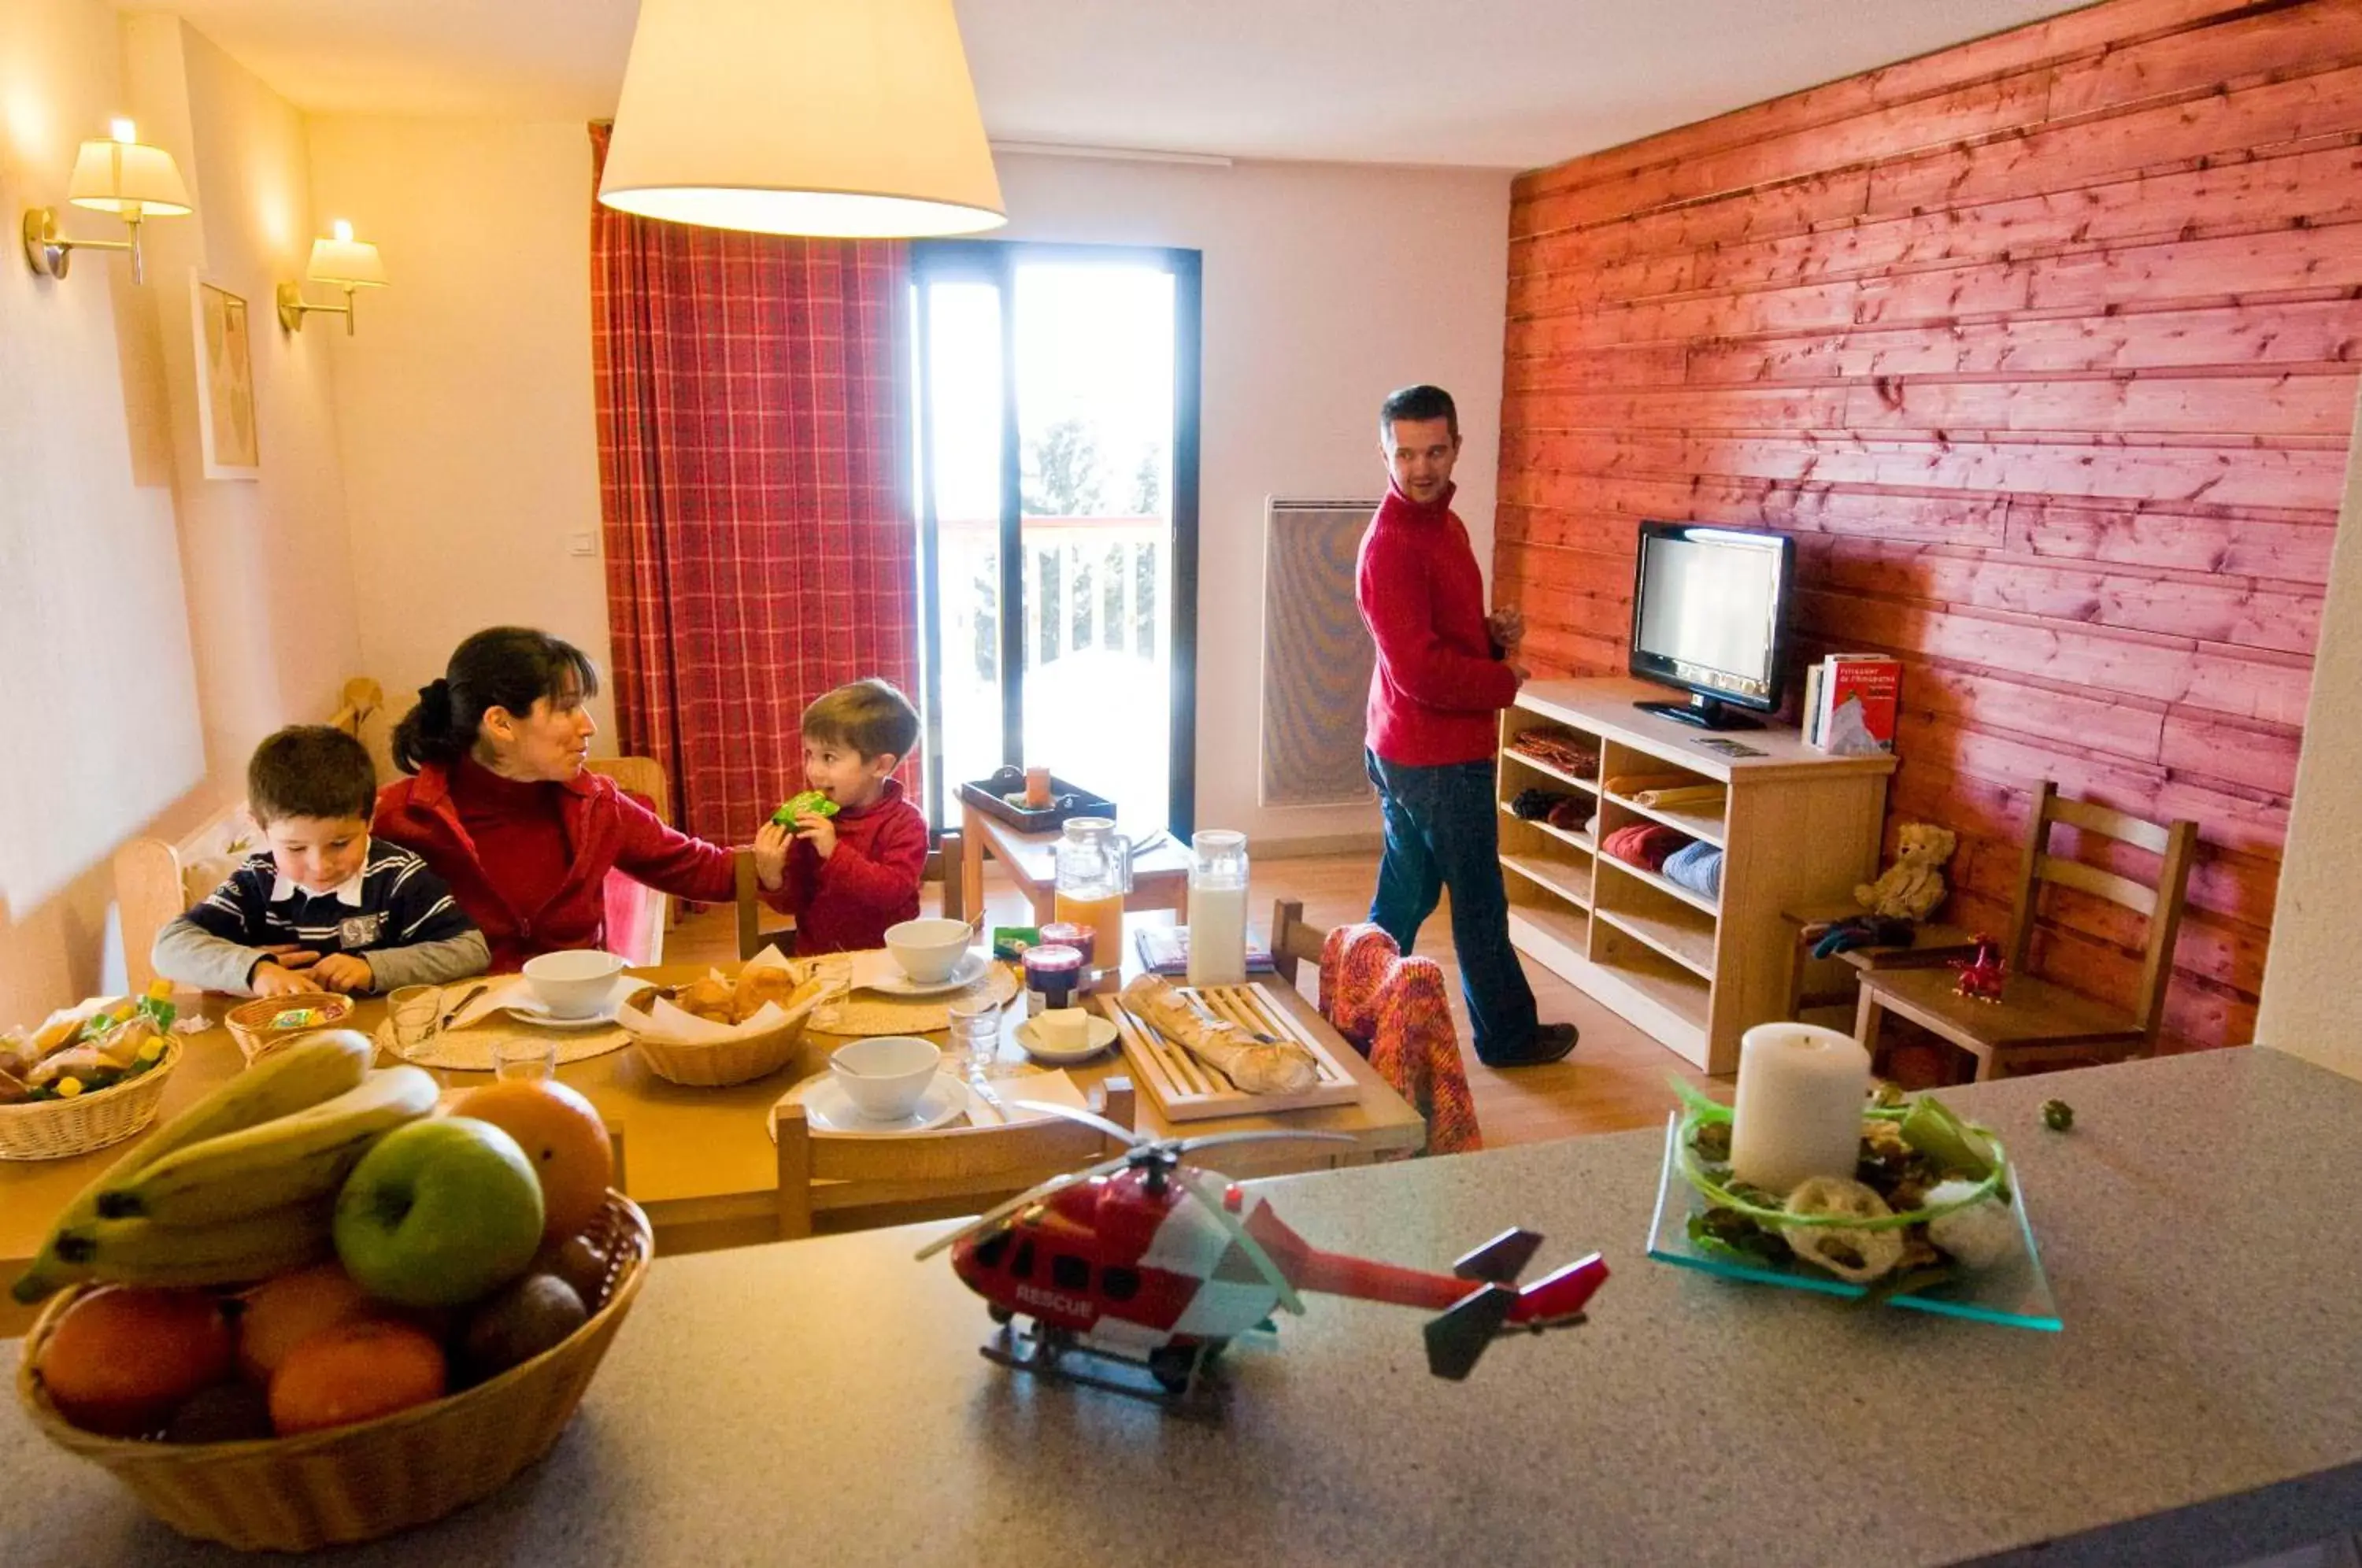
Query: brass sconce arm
[[50, 253], [294, 308]]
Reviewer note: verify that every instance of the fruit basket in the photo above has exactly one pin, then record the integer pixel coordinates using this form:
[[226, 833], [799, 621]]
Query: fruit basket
[[356, 1483], [59, 1129], [266, 1022]]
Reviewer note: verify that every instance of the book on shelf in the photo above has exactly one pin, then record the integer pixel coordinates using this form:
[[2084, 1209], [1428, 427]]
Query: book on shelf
[[1165, 950], [1854, 704]]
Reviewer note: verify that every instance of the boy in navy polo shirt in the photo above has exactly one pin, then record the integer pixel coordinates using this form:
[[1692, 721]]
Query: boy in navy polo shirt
[[324, 908]]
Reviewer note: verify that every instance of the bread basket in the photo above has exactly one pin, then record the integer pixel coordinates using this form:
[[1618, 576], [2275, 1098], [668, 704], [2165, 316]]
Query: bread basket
[[720, 1064], [253, 1025], [59, 1129], [356, 1483]]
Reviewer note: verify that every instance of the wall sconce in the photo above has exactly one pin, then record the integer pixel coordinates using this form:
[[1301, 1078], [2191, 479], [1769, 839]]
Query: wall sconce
[[342, 262], [122, 176]]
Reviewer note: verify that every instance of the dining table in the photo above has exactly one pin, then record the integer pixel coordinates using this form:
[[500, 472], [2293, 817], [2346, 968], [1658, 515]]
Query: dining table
[[702, 1161], [823, 1400]]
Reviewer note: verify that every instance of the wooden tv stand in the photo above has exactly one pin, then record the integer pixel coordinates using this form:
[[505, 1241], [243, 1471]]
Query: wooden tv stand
[[1797, 826]]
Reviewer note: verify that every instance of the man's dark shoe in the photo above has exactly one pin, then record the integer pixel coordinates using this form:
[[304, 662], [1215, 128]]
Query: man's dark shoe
[[1551, 1042]]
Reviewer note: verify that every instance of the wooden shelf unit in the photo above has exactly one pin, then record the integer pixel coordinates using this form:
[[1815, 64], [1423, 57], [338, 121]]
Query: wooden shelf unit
[[1797, 826]]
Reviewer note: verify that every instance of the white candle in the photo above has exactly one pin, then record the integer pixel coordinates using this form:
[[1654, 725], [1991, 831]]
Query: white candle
[[1798, 1114]]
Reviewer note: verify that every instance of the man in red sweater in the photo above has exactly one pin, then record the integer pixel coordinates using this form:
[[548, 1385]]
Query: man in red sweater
[[1444, 670]]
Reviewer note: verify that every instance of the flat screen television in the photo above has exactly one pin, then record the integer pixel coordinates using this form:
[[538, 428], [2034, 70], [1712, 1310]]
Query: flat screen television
[[1710, 617]]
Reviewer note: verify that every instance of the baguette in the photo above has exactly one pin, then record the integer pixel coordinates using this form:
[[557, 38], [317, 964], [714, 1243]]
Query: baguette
[[1281, 1066]]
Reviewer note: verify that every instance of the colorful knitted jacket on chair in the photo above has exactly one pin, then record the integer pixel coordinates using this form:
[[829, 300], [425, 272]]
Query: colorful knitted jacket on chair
[[1397, 1013]]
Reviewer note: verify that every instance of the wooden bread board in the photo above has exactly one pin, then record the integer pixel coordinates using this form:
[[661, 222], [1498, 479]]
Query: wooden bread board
[[1187, 1089]]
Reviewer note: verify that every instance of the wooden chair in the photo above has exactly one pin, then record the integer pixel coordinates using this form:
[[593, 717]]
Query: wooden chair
[[754, 935], [1292, 941], [921, 1176], [2036, 1023], [653, 912], [153, 875]]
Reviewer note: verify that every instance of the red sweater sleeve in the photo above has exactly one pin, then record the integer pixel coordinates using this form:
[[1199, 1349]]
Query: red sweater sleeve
[[1396, 601], [672, 862], [887, 876]]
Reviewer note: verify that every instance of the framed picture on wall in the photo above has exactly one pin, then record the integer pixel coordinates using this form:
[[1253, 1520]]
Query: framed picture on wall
[[225, 426]]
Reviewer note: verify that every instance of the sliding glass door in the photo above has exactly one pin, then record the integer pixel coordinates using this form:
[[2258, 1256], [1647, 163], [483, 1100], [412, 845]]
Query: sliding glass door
[[1056, 393]]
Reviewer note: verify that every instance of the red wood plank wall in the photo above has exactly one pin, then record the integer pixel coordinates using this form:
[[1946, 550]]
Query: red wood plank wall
[[2045, 348]]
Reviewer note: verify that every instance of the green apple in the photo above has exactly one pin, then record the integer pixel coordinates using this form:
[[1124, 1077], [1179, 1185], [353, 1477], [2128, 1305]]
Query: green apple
[[439, 1213]]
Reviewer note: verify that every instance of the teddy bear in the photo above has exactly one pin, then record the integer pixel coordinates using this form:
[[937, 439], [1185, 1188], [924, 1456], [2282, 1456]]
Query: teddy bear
[[1914, 885]]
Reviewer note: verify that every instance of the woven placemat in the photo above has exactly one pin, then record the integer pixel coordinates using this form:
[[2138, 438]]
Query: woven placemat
[[872, 1013], [469, 1049]]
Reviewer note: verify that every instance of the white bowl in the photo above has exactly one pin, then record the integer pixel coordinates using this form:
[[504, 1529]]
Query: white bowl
[[886, 1074], [575, 983], [928, 950]]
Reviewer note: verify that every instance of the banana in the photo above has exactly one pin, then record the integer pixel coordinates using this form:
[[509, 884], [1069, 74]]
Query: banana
[[283, 1161], [143, 1251], [294, 1077]]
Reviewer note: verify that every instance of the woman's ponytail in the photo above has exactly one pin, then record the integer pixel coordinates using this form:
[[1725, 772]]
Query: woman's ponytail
[[425, 733]]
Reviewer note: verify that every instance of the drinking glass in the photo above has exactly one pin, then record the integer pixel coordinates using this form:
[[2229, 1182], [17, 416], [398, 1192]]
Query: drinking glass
[[975, 1035], [417, 1015], [517, 1056]]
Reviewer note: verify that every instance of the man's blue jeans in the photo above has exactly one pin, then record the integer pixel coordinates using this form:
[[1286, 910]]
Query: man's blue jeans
[[1443, 830]]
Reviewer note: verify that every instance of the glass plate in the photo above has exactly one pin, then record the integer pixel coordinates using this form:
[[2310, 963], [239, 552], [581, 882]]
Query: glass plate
[[2016, 1294]]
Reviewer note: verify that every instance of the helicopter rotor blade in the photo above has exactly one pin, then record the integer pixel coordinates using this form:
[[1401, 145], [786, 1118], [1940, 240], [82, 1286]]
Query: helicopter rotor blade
[[995, 1215], [1194, 1184], [1115, 1130], [1214, 1139]]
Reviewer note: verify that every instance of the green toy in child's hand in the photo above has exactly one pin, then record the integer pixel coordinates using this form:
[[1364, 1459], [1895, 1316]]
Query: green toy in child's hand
[[810, 803]]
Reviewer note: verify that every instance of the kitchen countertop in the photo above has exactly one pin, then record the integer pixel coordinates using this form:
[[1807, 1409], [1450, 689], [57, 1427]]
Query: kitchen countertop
[[823, 1400]]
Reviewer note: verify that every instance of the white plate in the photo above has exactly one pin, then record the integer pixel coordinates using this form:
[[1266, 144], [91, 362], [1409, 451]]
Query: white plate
[[829, 1109], [1030, 1036], [969, 971], [531, 1012]]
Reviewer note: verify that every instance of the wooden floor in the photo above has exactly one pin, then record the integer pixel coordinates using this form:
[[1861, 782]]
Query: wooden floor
[[1614, 1080]]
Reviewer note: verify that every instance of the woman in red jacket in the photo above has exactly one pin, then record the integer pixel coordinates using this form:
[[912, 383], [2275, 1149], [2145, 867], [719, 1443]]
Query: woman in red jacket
[[502, 809]]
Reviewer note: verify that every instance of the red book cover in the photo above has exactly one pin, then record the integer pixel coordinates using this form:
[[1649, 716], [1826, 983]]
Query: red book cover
[[1859, 701]]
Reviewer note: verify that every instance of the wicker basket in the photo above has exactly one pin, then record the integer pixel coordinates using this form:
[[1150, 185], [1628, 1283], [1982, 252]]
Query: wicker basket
[[59, 1129], [358, 1483], [250, 1023], [729, 1062]]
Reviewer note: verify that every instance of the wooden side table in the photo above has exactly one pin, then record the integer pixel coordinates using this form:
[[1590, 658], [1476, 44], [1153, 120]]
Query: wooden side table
[[1931, 943], [1160, 877]]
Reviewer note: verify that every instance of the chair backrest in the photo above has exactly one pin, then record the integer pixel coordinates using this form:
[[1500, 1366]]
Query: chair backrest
[[157, 879], [1292, 941], [637, 914], [925, 1172], [2161, 903]]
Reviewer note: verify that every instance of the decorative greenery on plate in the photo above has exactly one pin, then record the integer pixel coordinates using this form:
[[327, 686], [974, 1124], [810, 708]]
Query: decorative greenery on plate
[[1919, 1165]]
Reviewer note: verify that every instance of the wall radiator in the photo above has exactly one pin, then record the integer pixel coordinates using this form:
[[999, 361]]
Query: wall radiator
[[1316, 655]]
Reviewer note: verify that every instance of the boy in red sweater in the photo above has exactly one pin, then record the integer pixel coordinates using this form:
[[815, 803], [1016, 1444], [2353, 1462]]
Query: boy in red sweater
[[1444, 670], [848, 877]]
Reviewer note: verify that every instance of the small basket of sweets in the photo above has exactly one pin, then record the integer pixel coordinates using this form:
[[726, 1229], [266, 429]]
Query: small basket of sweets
[[266, 1023], [89, 1076], [1931, 1218]]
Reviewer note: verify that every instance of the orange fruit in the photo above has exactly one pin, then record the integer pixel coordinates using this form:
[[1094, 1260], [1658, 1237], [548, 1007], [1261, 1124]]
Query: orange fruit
[[562, 1133], [282, 1313], [122, 1358], [355, 1371]]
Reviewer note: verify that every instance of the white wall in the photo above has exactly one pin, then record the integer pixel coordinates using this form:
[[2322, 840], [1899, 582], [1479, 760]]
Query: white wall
[[1325, 287], [2308, 1001], [152, 624], [464, 401], [465, 406]]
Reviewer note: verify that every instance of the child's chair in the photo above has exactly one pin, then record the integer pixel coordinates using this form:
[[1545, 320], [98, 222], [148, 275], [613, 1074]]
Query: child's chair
[[1398, 1011]]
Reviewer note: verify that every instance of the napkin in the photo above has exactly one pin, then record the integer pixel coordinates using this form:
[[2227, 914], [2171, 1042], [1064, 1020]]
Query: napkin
[[1055, 1088]]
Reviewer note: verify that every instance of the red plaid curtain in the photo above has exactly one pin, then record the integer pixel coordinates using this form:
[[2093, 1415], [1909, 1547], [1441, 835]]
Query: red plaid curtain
[[754, 483]]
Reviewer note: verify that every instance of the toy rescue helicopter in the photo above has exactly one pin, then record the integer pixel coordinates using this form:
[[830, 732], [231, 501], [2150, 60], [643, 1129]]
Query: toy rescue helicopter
[[1141, 1261]]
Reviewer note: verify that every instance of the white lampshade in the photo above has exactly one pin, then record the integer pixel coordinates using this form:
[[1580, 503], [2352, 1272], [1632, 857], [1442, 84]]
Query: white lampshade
[[347, 263], [852, 118], [125, 176]]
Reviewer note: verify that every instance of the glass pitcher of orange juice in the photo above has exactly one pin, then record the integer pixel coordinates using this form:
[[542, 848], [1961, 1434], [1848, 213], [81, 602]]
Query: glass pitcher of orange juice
[[1094, 875]]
